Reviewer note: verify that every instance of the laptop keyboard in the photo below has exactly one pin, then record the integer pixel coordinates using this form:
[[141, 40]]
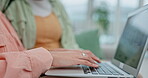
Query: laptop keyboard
[[103, 69]]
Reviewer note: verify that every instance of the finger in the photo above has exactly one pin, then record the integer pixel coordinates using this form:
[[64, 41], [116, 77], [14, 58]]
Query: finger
[[96, 58], [93, 56], [87, 63], [88, 58]]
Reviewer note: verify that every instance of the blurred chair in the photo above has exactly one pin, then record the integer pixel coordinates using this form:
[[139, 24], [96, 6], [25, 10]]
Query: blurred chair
[[90, 40]]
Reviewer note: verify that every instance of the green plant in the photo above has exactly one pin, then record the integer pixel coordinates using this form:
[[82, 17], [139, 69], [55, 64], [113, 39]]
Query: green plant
[[101, 16]]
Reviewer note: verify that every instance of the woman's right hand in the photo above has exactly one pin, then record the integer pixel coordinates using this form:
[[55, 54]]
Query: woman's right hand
[[66, 57]]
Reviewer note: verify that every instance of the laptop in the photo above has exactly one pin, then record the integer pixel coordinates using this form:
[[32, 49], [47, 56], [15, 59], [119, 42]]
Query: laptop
[[128, 57]]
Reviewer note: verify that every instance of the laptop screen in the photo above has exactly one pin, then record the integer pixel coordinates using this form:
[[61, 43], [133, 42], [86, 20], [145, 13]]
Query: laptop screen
[[133, 39]]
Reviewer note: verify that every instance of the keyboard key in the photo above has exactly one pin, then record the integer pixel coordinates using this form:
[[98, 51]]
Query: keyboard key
[[93, 70], [106, 70], [103, 69], [115, 72], [85, 69], [100, 71]]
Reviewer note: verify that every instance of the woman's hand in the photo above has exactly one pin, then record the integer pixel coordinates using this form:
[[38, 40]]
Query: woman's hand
[[64, 57]]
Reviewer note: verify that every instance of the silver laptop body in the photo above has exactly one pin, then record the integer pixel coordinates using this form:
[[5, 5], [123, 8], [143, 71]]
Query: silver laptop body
[[128, 57]]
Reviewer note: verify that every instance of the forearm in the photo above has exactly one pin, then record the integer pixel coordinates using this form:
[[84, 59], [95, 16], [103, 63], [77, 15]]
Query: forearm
[[27, 64]]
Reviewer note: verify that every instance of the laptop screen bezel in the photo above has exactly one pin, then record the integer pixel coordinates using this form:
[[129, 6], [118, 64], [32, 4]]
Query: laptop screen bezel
[[125, 67]]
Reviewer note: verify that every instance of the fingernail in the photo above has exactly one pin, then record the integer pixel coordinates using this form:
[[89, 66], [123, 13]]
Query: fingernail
[[95, 65], [95, 62]]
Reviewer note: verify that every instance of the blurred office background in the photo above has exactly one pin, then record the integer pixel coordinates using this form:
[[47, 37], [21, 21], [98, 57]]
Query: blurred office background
[[107, 16], [86, 15]]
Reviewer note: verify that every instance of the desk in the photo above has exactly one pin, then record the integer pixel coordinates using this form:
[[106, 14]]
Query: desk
[[143, 70]]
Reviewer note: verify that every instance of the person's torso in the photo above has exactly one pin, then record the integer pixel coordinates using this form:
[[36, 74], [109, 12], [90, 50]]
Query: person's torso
[[48, 32], [48, 28]]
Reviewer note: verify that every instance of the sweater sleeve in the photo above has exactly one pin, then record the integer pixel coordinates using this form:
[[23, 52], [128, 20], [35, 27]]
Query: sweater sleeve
[[27, 64]]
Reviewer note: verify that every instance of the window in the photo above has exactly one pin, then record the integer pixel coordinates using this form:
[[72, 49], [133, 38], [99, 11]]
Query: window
[[77, 11], [126, 8], [81, 12], [145, 2]]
